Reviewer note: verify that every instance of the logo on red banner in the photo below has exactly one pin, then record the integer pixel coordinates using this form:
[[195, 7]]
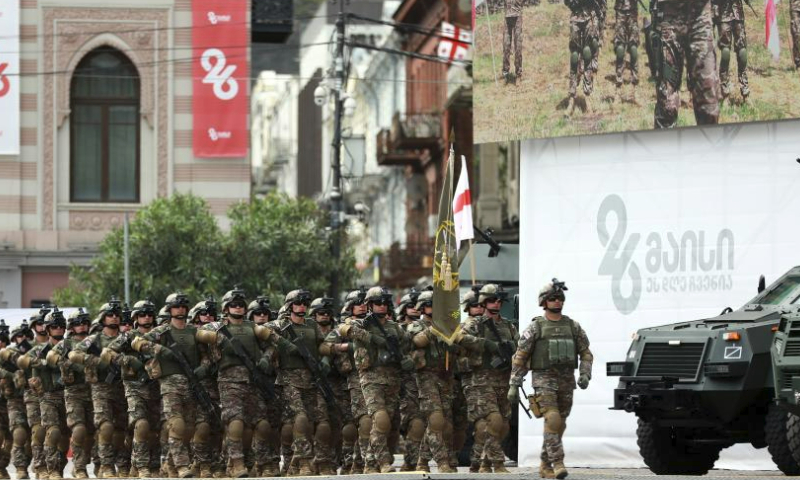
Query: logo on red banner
[[219, 73], [5, 84]]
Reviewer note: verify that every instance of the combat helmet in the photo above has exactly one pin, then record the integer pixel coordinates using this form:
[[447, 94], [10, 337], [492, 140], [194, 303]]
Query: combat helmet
[[177, 299], [4, 331], [78, 317], [237, 294], [378, 295], [489, 291], [113, 305], [163, 316], [407, 300], [356, 297], [260, 304], [471, 298], [23, 329], [298, 297], [319, 305], [55, 318], [143, 307], [553, 288], [425, 299]]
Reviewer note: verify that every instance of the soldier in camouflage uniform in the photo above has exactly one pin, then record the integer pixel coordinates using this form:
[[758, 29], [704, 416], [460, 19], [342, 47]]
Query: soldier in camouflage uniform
[[412, 422], [163, 344], [553, 375], [77, 393], [379, 372], [13, 392], [584, 43], [729, 18], [305, 407], [684, 35], [5, 434], [626, 40], [32, 408], [492, 336], [794, 14], [142, 393], [513, 36], [45, 381], [108, 399], [474, 311]]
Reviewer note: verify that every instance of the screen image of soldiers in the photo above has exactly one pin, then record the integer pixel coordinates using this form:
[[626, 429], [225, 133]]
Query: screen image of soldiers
[[729, 20], [683, 35], [584, 43], [626, 41], [513, 37], [794, 12], [550, 348]]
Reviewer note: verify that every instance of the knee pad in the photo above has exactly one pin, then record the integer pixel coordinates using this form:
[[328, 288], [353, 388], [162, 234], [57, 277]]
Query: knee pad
[[20, 436], [364, 426], [741, 57], [52, 437], [79, 434], [105, 434], [177, 428], [494, 424], [634, 52], [382, 421], [587, 53], [436, 422], [619, 50], [725, 56], [202, 432], [552, 421], [416, 430], [37, 434], [573, 61], [480, 431], [324, 433], [263, 429], [301, 425], [594, 45], [349, 433], [287, 437], [141, 430], [236, 430]]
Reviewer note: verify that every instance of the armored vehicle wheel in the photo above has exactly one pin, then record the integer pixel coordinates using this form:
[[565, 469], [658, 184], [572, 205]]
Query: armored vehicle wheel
[[664, 454], [779, 440]]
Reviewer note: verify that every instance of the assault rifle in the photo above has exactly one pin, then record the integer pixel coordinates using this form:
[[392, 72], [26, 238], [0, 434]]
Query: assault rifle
[[200, 393], [506, 352], [392, 342], [262, 383], [317, 377], [527, 412]]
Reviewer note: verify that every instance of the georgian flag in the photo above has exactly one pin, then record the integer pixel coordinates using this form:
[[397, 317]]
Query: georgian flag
[[771, 21], [462, 207], [456, 43]]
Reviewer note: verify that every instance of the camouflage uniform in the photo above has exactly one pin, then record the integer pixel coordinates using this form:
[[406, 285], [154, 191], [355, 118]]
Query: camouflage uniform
[[513, 35], [412, 421], [343, 366], [584, 42], [267, 450], [626, 38], [553, 386], [686, 36], [17, 418], [7, 443], [794, 12], [729, 16], [78, 404]]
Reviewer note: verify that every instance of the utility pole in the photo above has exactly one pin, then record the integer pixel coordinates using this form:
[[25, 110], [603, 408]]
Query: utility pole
[[336, 192]]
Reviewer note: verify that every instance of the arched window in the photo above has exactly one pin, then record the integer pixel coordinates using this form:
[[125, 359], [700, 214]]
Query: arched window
[[104, 128]]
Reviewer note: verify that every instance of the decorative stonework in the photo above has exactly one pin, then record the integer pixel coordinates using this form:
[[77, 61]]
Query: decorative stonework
[[96, 221], [69, 34]]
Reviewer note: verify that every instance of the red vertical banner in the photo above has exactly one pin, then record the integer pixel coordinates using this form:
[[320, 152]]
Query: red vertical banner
[[220, 36]]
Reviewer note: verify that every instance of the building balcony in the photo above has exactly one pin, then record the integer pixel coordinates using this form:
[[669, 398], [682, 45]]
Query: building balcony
[[272, 21], [407, 141], [403, 266]]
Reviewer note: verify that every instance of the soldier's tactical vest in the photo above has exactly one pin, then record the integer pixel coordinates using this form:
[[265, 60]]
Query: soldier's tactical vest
[[435, 354], [555, 346], [369, 355], [186, 344], [504, 329], [102, 342], [306, 335], [68, 375], [48, 380], [247, 337]]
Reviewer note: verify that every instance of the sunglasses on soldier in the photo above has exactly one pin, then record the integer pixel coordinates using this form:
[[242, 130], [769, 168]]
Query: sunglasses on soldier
[[260, 312], [237, 304]]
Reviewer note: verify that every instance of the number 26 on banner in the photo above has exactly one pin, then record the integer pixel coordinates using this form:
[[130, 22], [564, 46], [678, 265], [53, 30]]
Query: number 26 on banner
[[220, 75]]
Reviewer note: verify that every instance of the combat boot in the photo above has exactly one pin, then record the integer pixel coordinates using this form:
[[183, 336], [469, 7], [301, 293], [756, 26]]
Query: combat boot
[[560, 470], [546, 471], [80, 473], [423, 467], [143, 472], [305, 469], [371, 468], [4, 474], [445, 468], [185, 472], [22, 473], [124, 473], [238, 469], [55, 475], [41, 473], [486, 467], [387, 468], [405, 467], [271, 470], [474, 467], [134, 472], [500, 467], [108, 471], [325, 469]]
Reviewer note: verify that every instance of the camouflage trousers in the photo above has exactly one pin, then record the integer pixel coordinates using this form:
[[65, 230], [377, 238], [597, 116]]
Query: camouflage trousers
[[110, 407], [208, 452], [342, 448], [584, 41], [794, 8], [435, 399], [238, 402], [460, 420], [305, 408], [78, 403], [512, 41], [686, 34], [5, 436], [54, 422], [382, 398], [358, 408], [732, 41], [266, 451], [410, 413], [37, 433], [144, 403], [18, 418], [555, 405], [486, 399], [180, 409], [626, 37]]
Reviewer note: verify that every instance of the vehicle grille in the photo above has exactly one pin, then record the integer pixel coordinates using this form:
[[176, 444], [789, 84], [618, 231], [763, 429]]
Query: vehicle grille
[[792, 349], [664, 360], [787, 378]]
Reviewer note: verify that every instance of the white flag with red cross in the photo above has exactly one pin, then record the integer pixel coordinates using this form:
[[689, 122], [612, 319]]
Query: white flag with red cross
[[462, 207], [455, 44]]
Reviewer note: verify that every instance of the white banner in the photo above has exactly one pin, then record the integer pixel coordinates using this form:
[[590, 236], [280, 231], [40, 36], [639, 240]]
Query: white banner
[[9, 77], [649, 229]]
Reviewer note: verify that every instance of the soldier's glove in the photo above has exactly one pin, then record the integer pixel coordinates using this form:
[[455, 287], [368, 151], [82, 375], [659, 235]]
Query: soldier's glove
[[266, 366], [325, 366], [378, 341], [513, 394], [583, 381], [291, 348], [407, 364], [490, 346], [166, 353], [133, 363], [201, 372]]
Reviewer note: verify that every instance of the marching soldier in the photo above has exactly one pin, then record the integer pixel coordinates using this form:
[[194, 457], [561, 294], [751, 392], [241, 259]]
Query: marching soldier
[[474, 311], [412, 422], [13, 382], [32, 399], [7, 442], [550, 347]]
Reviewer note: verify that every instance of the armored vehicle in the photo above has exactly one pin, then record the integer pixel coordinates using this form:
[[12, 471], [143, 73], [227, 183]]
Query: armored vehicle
[[700, 386]]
